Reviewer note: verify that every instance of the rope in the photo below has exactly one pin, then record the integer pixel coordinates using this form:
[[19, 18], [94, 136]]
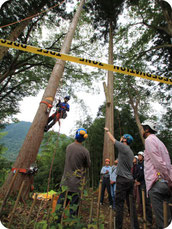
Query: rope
[[35, 15]]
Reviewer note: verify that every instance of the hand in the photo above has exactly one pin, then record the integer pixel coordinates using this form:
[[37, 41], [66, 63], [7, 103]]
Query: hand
[[121, 138], [107, 171], [106, 129], [112, 182]]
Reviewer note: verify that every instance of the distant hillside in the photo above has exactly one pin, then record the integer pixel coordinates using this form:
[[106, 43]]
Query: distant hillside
[[14, 138]]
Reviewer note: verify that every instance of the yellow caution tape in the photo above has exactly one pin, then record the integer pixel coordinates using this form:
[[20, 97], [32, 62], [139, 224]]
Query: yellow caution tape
[[93, 63]]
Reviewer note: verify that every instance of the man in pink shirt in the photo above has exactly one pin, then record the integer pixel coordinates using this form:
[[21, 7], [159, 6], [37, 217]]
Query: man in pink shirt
[[157, 170]]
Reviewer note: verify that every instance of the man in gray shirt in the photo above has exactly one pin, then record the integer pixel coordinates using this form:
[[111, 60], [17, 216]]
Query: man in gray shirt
[[124, 181], [77, 160]]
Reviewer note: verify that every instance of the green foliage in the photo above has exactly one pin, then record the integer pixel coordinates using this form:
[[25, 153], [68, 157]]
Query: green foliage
[[13, 140], [102, 14], [52, 143], [5, 164]]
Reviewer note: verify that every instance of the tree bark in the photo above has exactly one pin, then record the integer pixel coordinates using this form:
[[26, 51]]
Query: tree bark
[[136, 115], [108, 148], [30, 147]]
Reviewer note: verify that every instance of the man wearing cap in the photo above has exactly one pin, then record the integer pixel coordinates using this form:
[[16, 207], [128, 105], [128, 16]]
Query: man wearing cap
[[157, 170], [77, 160], [105, 172], [124, 180], [142, 186]]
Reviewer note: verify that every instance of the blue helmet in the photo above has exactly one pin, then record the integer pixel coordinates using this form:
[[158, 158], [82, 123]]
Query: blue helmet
[[67, 97], [81, 134], [129, 138]]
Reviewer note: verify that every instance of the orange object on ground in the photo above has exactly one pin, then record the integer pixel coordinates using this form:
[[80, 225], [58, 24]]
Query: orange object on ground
[[54, 204]]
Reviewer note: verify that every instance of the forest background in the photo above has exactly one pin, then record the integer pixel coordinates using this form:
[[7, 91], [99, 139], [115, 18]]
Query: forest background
[[141, 41]]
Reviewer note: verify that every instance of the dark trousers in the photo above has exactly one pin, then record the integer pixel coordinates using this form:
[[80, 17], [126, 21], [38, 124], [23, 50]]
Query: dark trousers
[[124, 188], [158, 193], [147, 203], [106, 184], [74, 198]]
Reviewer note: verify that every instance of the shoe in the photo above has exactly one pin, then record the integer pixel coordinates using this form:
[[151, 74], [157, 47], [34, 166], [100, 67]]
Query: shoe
[[101, 203], [110, 206], [45, 128]]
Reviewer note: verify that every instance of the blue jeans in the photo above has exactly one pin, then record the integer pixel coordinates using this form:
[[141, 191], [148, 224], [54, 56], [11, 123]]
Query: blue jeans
[[113, 189]]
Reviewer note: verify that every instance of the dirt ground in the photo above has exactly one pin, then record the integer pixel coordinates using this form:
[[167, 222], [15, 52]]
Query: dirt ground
[[41, 209]]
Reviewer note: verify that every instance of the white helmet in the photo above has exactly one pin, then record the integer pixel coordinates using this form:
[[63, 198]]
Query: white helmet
[[140, 153], [151, 124], [136, 156]]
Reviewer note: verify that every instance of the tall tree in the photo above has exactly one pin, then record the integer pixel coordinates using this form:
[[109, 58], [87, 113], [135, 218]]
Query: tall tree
[[105, 19], [30, 147]]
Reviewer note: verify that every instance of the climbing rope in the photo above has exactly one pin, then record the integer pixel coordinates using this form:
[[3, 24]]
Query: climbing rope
[[35, 15]]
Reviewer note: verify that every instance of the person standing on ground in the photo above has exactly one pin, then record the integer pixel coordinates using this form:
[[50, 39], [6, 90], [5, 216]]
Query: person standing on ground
[[124, 181], [113, 182], [157, 171], [77, 160], [105, 172]]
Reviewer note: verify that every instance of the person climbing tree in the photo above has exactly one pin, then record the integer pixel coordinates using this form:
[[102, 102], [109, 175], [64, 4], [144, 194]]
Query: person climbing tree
[[61, 109]]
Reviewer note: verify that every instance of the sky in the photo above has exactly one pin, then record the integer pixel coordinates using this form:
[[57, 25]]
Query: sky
[[29, 106]]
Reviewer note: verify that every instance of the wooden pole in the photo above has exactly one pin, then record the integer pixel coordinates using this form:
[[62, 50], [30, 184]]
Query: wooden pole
[[165, 213], [64, 205], [131, 211], [31, 209], [49, 209], [110, 219], [91, 206], [144, 209], [114, 222], [98, 202], [82, 193], [8, 191], [16, 203]]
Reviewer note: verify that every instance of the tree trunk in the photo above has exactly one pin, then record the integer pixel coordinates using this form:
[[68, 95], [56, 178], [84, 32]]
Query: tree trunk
[[13, 36], [108, 149], [136, 115], [30, 147], [167, 11]]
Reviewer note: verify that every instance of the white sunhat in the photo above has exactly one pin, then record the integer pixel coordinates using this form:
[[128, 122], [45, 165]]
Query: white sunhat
[[140, 153], [151, 124]]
